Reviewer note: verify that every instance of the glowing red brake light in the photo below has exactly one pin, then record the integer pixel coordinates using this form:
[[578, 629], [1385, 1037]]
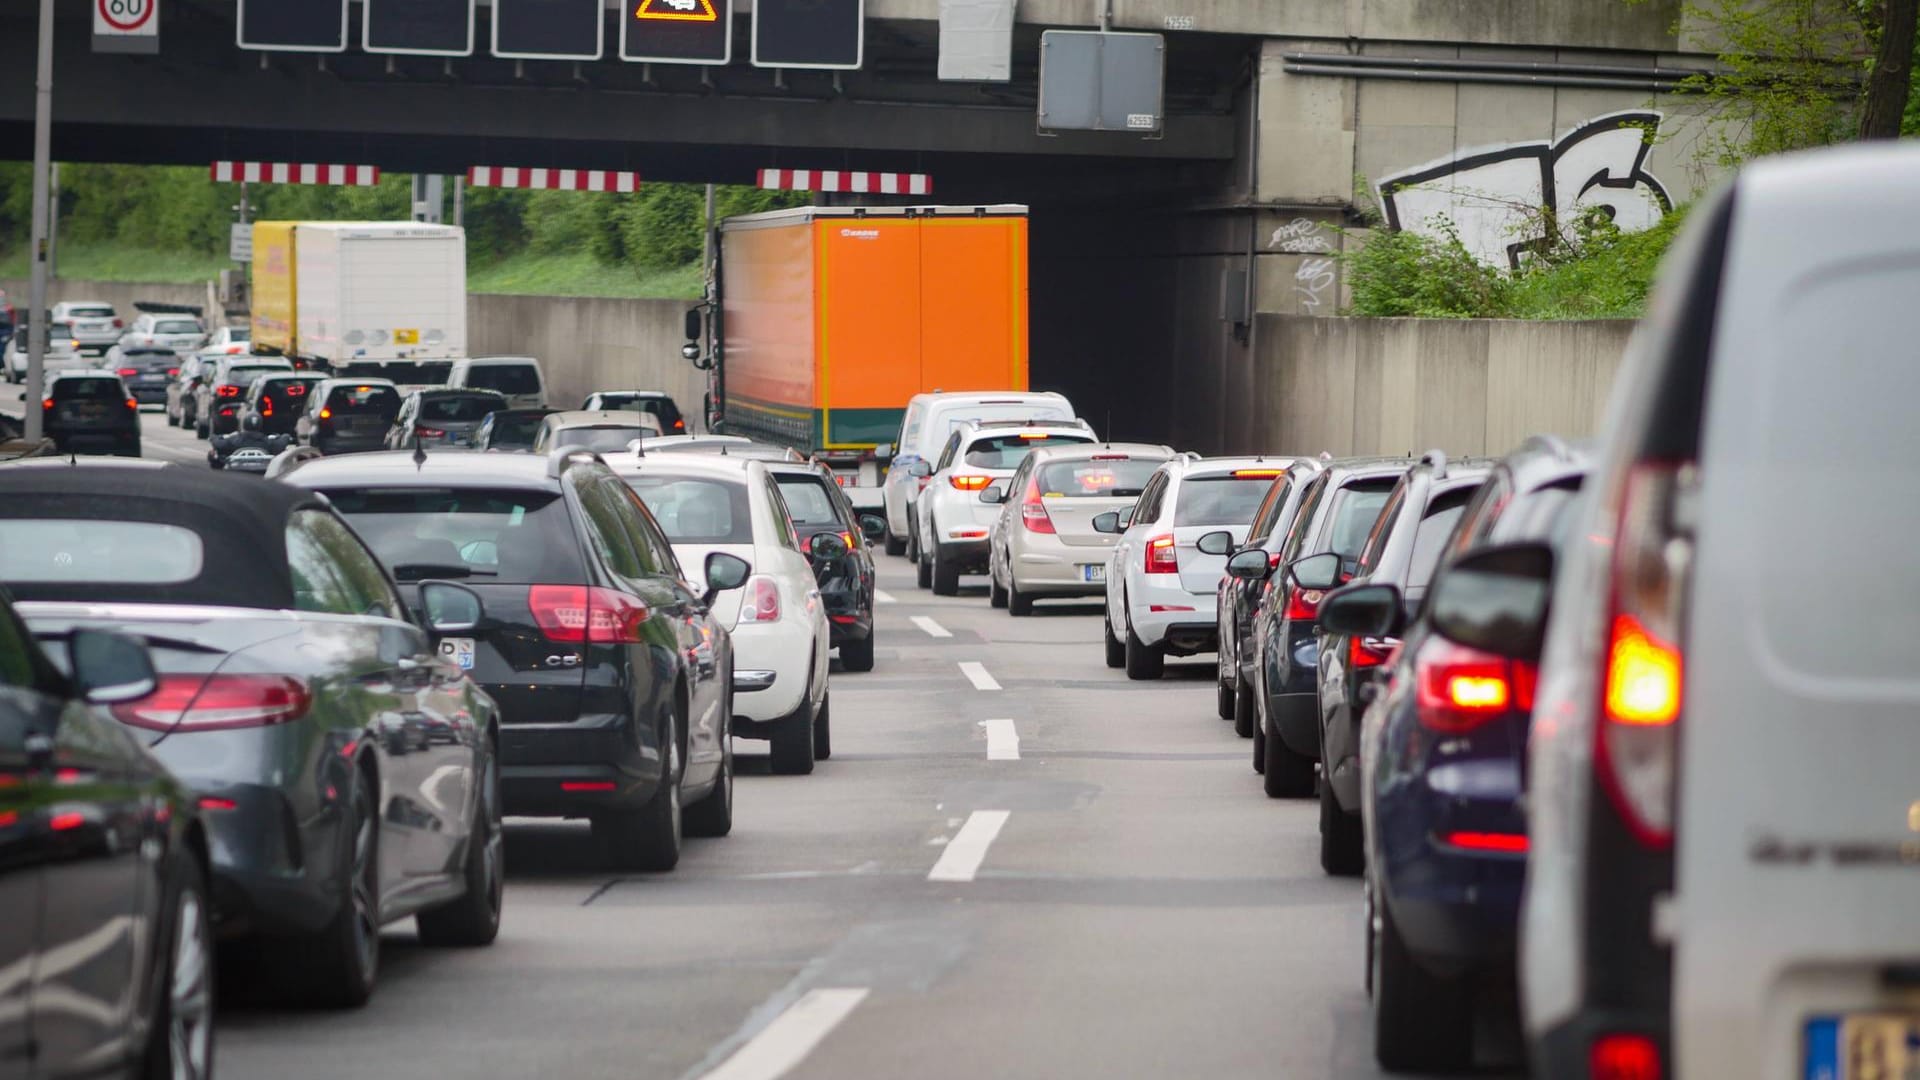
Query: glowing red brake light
[[580, 613], [126, 371], [1033, 509], [173, 371], [1161, 556], [47, 404], [1514, 843], [217, 702], [1457, 689], [133, 403], [266, 405], [227, 391], [295, 390], [760, 600], [1304, 604], [679, 425], [429, 432], [1623, 1057], [1368, 652]]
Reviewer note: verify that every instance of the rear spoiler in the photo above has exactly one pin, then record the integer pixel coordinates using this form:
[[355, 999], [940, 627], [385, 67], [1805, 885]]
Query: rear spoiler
[[153, 307]]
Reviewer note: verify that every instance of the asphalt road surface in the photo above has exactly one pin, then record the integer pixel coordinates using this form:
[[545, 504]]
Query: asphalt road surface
[[1017, 864]]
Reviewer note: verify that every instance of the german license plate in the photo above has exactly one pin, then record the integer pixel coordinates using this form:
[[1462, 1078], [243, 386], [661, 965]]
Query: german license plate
[[1096, 572], [459, 650], [1863, 1046]]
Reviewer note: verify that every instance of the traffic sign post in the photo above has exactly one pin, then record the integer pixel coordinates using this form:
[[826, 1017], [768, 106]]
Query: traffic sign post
[[126, 26], [809, 33], [676, 31], [292, 25], [549, 30], [418, 27]]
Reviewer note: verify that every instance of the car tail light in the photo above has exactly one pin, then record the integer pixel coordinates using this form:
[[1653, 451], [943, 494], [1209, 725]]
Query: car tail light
[[126, 371], [1363, 652], [576, 613], [217, 702], [47, 404], [119, 325], [133, 403], [1456, 689], [266, 406], [172, 371], [295, 390], [969, 483], [326, 414], [806, 542], [227, 391], [1303, 604], [1035, 437], [679, 425], [1161, 557], [580, 787], [1642, 676], [1111, 457], [1514, 843], [1255, 474], [760, 600], [1624, 1057], [429, 432], [1033, 509]]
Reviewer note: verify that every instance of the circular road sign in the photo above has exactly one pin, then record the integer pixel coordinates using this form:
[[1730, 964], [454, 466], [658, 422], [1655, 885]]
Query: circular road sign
[[127, 16]]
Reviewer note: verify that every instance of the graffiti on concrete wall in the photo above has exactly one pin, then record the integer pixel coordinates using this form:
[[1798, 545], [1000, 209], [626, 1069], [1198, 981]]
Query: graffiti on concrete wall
[[1500, 200], [1316, 275]]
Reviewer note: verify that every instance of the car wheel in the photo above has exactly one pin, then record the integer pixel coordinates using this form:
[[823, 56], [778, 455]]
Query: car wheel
[[922, 568], [173, 418], [1116, 652], [792, 754], [474, 919], [1259, 747], [201, 430], [337, 967], [946, 576], [1341, 845], [857, 655], [1421, 1022], [1222, 696], [713, 815], [1143, 660], [648, 839], [823, 730], [1288, 775], [180, 1040], [1244, 721], [1018, 603], [894, 544], [996, 593]]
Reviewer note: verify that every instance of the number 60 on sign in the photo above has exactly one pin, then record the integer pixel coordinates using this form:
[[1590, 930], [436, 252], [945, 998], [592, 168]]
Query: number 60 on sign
[[126, 26]]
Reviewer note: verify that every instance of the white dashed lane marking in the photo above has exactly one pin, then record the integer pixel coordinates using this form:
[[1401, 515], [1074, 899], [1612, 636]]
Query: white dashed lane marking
[[976, 673], [932, 628], [968, 849]]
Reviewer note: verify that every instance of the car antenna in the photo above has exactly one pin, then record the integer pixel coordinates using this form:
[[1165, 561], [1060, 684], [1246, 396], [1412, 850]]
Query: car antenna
[[1109, 428], [419, 452]]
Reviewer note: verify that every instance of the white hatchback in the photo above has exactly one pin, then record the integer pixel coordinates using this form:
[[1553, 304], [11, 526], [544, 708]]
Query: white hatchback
[[950, 518], [713, 502], [1162, 589], [929, 420]]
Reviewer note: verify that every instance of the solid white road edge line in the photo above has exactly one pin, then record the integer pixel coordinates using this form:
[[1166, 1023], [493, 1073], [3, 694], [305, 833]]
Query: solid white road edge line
[[1003, 742], [793, 1035], [882, 596], [976, 673], [968, 849], [932, 628]]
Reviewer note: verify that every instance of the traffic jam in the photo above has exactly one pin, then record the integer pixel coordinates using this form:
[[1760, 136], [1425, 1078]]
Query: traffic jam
[[1542, 722]]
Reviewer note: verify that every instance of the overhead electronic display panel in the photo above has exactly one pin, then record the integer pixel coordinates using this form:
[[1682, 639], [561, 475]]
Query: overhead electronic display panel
[[549, 29], [677, 31], [293, 25], [422, 27], [809, 33]]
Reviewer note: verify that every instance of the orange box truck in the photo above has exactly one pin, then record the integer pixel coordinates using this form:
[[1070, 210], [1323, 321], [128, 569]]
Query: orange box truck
[[831, 318]]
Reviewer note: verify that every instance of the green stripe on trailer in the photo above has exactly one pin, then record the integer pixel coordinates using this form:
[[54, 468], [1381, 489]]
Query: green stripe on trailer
[[861, 428]]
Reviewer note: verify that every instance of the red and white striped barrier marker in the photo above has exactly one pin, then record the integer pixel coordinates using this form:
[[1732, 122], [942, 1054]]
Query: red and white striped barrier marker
[[287, 172], [495, 176], [860, 183]]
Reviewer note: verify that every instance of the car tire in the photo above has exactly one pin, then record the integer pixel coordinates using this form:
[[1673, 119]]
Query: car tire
[[1018, 603], [857, 656], [1259, 747], [337, 967], [201, 430], [713, 814], [648, 839], [180, 1040], [913, 540], [474, 919], [1288, 775], [792, 755], [1245, 723], [894, 544], [823, 730], [1421, 1022], [1144, 662], [996, 593], [946, 576], [1342, 850], [173, 418], [1116, 652], [1222, 697], [922, 570]]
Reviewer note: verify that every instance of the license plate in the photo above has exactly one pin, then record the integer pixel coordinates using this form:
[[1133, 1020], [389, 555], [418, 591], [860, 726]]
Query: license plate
[[1096, 572], [1863, 1046], [459, 650]]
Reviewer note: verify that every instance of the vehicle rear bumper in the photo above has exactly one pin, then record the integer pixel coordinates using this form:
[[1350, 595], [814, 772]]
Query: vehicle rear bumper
[[1058, 572], [95, 441], [783, 648], [576, 769], [271, 876], [1186, 624], [791, 723], [969, 555], [853, 626], [1292, 717], [1456, 910], [1564, 1048], [343, 444]]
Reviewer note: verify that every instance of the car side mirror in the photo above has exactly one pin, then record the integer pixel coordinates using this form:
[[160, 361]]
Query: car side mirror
[[1108, 523], [873, 526], [1218, 542], [883, 452], [994, 495], [450, 608], [1362, 610], [921, 469], [1249, 565], [1496, 599], [725, 572], [1320, 571], [110, 668], [827, 547]]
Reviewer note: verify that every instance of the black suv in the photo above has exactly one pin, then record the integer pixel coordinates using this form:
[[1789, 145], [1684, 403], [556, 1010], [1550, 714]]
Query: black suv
[[614, 683], [89, 411], [1403, 550]]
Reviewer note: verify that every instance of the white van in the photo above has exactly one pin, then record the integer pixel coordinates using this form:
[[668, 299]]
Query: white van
[[929, 419], [517, 377], [1724, 769]]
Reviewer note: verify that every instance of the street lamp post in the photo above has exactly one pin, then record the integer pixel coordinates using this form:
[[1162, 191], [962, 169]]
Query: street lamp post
[[37, 322]]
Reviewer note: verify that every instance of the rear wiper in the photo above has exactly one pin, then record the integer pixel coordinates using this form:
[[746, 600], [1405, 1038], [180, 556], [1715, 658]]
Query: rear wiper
[[1126, 493], [422, 571]]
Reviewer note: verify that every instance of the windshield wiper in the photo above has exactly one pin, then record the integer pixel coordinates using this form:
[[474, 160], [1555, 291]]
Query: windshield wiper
[[422, 571]]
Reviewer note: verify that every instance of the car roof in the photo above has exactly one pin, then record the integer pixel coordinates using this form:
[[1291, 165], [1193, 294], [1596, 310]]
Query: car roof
[[1189, 465], [1084, 451], [1032, 423], [369, 381], [456, 391], [670, 442], [1546, 460], [535, 413], [719, 466], [1340, 470], [631, 393], [473, 361], [82, 373], [594, 418], [988, 396], [285, 375], [397, 468]]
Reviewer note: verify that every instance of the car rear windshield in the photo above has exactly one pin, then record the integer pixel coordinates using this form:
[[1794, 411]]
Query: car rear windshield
[[239, 333], [506, 378], [511, 430], [1008, 451], [97, 552], [403, 372], [697, 509], [176, 326], [364, 399], [497, 536], [1220, 500], [600, 439], [1355, 509], [808, 500], [88, 390], [664, 408], [89, 313], [244, 376], [1111, 477], [462, 409]]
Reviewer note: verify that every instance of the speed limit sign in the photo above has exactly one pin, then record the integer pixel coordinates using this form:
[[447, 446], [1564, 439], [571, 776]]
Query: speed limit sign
[[126, 26]]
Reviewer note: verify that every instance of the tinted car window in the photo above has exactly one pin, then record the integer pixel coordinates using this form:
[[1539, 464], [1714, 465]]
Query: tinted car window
[[457, 409], [653, 406], [512, 537], [364, 399], [1442, 516], [87, 390], [245, 376], [1220, 500], [1096, 478], [1355, 509], [84, 311], [509, 430], [1008, 451], [613, 538], [332, 572], [406, 373], [808, 500], [98, 552], [506, 378], [1376, 541], [176, 326], [599, 439], [697, 510]]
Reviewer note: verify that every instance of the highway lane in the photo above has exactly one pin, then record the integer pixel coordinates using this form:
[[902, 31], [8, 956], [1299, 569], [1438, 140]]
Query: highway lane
[[1016, 864]]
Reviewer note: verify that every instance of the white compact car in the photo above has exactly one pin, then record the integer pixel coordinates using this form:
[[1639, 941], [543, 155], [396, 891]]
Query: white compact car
[[1161, 586], [1044, 543], [517, 378], [713, 502], [950, 519], [62, 352], [229, 339], [181, 333], [929, 421], [96, 326]]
